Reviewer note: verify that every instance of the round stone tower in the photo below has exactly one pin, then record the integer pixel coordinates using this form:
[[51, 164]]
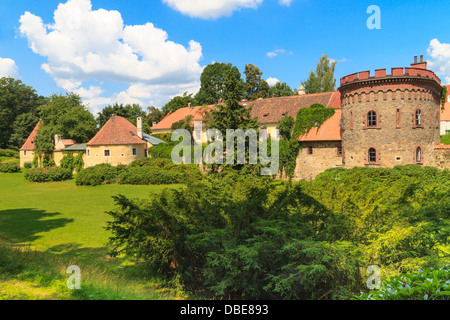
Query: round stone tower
[[390, 120]]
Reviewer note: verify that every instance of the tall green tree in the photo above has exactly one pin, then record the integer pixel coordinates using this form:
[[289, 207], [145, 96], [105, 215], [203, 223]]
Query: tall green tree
[[18, 112], [130, 112], [281, 89], [154, 115], [213, 82], [255, 86], [179, 102], [322, 80], [64, 115]]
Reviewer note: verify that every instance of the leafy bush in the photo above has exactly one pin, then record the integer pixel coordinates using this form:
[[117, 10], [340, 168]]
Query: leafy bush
[[97, 175], [238, 237], [429, 284], [67, 162], [27, 165], [9, 167], [445, 139], [48, 174], [9, 153], [78, 162]]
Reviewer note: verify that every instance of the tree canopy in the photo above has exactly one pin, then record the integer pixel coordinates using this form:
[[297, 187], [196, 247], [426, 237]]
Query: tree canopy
[[255, 86], [179, 102], [322, 80]]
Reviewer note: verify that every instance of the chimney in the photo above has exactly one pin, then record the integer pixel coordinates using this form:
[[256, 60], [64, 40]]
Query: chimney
[[57, 139], [140, 133], [301, 90], [419, 64], [415, 59], [154, 123]]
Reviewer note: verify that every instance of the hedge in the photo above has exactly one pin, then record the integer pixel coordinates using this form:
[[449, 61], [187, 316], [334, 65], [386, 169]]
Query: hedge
[[9, 167], [48, 174]]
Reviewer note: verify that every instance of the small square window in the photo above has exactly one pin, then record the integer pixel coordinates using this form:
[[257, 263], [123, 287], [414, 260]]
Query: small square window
[[134, 152], [107, 153], [310, 150], [339, 151]]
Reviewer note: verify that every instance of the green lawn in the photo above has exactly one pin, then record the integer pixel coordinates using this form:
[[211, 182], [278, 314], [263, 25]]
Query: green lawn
[[60, 224]]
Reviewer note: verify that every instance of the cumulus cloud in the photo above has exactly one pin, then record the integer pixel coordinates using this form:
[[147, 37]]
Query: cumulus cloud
[[95, 45], [211, 9], [8, 68], [277, 52], [440, 62], [272, 81]]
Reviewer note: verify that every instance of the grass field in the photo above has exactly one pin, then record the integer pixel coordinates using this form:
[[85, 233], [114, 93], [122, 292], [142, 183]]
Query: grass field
[[44, 228]]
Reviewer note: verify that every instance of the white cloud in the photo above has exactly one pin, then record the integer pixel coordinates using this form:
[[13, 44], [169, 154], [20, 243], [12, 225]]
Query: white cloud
[[95, 45], [272, 81], [440, 62], [285, 2], [8, 68], [277, 52], [211, 9]]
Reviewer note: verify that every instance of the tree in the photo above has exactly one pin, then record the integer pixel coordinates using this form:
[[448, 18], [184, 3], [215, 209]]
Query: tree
[[66, 116], [322, 80], [179, 102], [281, 89], [154, 115], [213, 80], [255, 86], [130, 112], [17, 99]]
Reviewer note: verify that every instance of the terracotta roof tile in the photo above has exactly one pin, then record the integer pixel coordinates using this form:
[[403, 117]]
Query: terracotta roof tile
[[270, 110], [442, 146], [181, 114], [29, 143], [117, 131], [329, 131]]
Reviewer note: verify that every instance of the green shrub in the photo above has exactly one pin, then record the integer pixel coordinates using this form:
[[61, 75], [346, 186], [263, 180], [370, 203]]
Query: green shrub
[[48, 174], [9, 153], [9, 167], [67, 162], [429, 284], [97, 175], [78, 163], [27, 165]]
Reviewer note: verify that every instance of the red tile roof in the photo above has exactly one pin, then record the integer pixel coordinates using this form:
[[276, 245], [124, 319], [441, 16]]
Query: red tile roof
[[29, 144], [442, 146], [445, 114], [181, 114], [270, 110], [330, 130], [117, 131]]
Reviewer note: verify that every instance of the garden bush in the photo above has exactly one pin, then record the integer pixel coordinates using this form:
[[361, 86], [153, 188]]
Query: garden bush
[[428, 284], [9, 153], [97, 175], [48, 174], [8, 167]]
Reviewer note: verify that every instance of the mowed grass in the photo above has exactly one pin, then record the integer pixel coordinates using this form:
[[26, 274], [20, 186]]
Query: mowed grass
[[44, 228]]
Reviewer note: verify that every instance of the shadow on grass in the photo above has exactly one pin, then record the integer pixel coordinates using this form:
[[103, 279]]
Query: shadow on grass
[[23, 225]]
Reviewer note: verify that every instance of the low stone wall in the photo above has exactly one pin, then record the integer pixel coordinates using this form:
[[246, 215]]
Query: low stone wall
[[442, 157]]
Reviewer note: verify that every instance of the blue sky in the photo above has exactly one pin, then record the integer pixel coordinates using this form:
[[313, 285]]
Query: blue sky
[[149, 51]]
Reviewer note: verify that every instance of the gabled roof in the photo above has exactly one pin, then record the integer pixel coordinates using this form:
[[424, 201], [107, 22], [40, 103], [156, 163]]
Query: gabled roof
[[117, 131], [445, 114], [272, 110], [330, 130], [196, 112], [29, 143]]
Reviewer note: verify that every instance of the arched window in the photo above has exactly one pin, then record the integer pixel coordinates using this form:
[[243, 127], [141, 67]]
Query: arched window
[[418, 155], [418, 117], [372, 155], [372, 119]]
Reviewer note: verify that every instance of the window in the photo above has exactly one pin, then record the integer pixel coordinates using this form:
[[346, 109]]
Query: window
[[88, 152], [418, 117], [372, 155], [310, 150], [398, 119], [372, 120], [107, 153], [134, 152], [25, 153], [448, 99], [418, 155], [339, 151]]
